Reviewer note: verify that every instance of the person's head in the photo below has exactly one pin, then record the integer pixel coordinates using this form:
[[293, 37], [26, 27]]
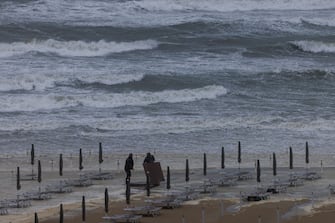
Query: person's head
[[148, 154], [130, 155]]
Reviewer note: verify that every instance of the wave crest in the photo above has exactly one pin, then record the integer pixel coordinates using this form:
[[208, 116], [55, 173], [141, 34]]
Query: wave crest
[[233, 5], [74, 48], [319, 22], [314, 46], [29, 82], [36, 102], [140, 12]]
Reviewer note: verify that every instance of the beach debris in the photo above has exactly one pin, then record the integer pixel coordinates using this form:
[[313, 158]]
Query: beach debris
[[169, 202], [256, 196], [146, 211], [38, 195], [62, 187]]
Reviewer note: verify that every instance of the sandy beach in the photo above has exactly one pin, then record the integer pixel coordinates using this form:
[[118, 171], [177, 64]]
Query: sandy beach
[[310, 202]]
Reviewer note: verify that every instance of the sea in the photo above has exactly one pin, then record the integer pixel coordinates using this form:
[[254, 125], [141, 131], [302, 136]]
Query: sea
[[167, 76]]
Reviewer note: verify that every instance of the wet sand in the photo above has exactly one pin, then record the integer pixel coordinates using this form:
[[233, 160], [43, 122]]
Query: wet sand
[[211, 212]]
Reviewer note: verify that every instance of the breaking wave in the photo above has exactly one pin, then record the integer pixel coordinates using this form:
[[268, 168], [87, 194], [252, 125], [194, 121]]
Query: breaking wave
[[34, 102], [234, 5], [315, 46], [320, 22], [42, 82], [142, 11], [74, 48]]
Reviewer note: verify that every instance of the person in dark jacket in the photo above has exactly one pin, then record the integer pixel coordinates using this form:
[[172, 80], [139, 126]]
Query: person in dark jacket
[[149, 158], [129, 165]]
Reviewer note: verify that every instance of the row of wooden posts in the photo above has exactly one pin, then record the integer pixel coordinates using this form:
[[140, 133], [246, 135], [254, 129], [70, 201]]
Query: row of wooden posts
[[168, 185], [106, 209], [83, 215], [32, 159], [83, 207], [187, 178], [239, 160]]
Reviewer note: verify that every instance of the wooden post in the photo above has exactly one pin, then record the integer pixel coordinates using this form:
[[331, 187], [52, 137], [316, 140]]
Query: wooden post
[[205, 164]]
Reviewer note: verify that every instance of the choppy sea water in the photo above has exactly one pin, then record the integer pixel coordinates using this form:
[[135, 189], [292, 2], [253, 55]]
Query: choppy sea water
[[167, 75]]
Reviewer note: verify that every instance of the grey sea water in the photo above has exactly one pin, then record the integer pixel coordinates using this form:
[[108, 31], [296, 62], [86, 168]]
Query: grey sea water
[[167, 75]]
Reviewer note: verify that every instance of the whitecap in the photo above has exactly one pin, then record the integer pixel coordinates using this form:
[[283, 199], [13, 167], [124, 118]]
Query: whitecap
[[33, 102], [315, 46], [74, 48]]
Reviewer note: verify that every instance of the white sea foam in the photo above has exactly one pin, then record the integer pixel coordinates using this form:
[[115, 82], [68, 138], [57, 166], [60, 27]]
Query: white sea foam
[[74, 48], [42, 82], [40, 76], [143, 12], [33, 102], [147, 125], [233, 5], [110, 79], [321, 21], [315, 46], [26, 82], [299, 210], [214, 5]]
